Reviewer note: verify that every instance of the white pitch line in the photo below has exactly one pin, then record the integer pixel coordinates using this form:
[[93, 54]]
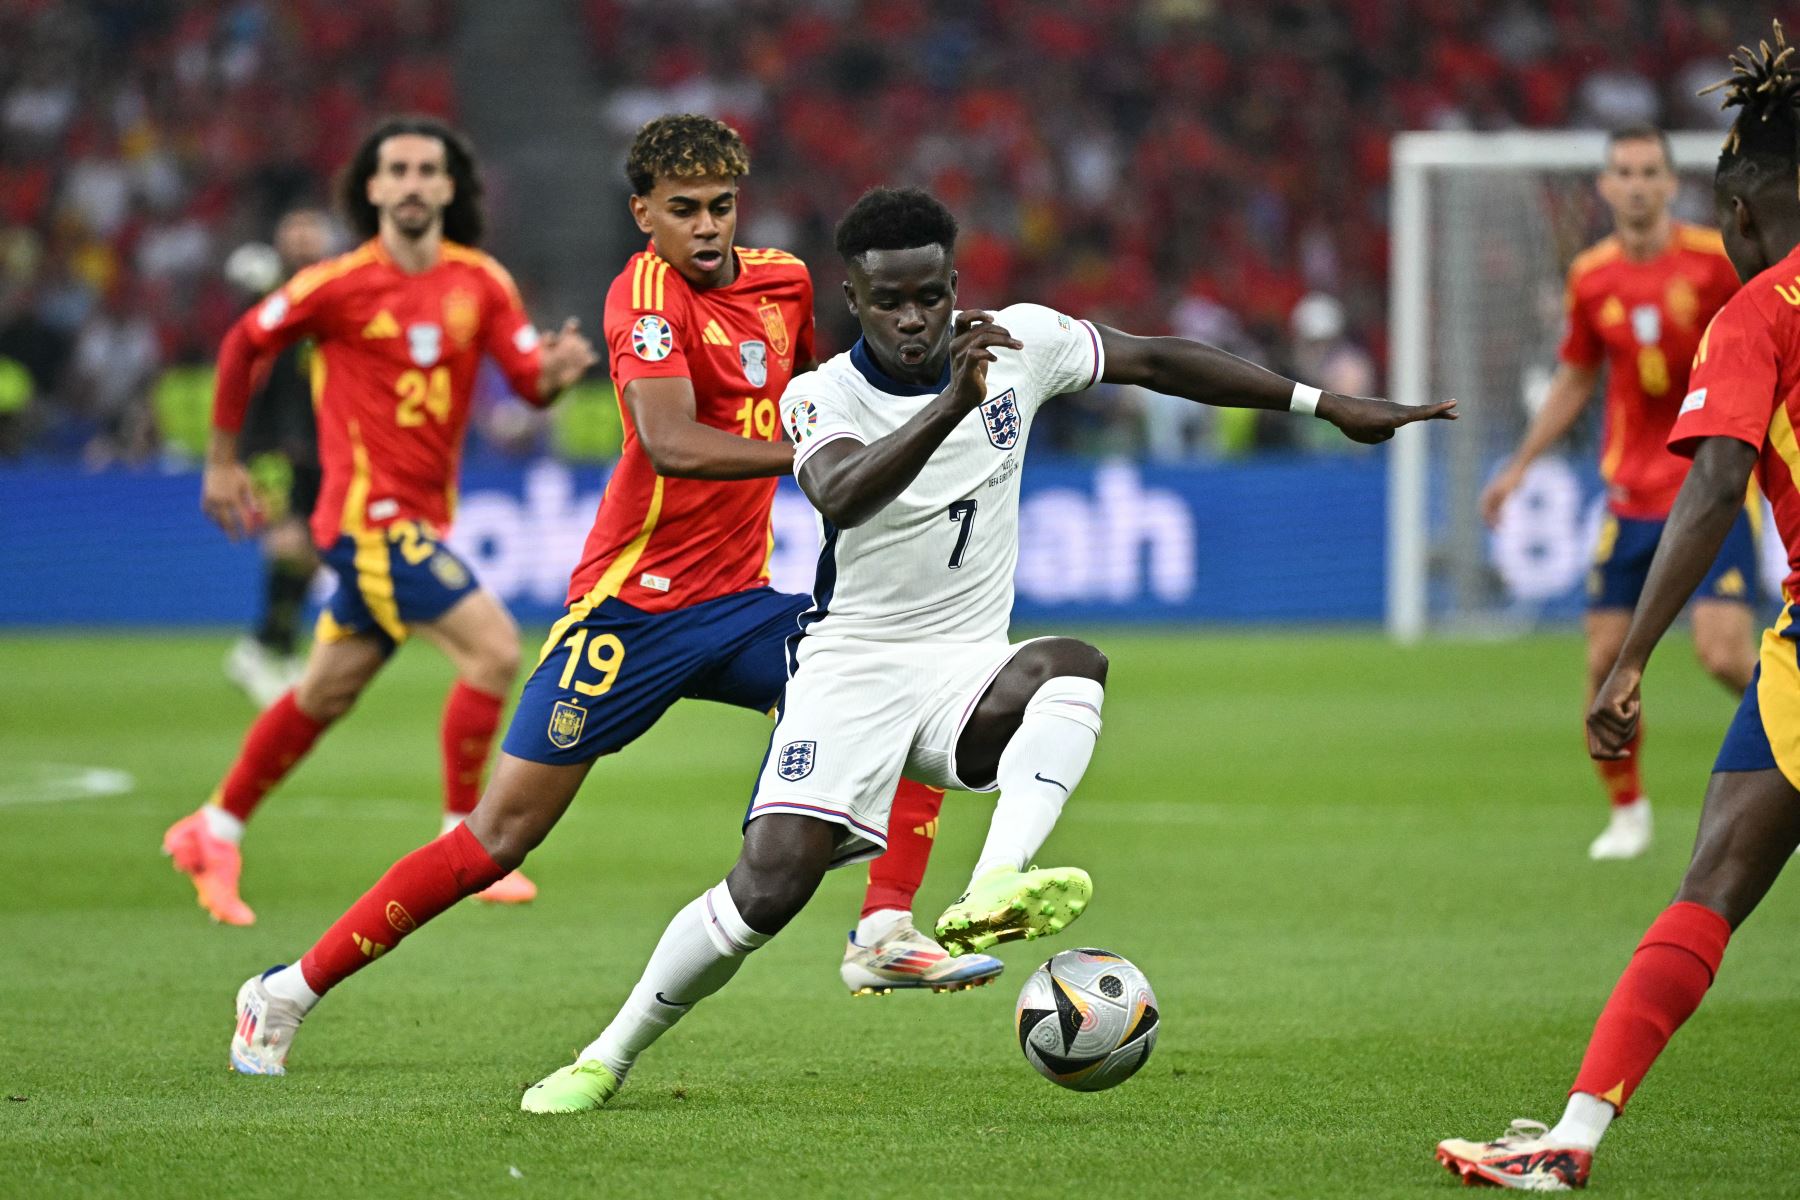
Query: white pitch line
[[62, 783]]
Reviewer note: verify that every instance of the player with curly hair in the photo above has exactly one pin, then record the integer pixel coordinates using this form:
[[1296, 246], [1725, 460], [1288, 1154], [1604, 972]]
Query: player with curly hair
[[1738, 417]]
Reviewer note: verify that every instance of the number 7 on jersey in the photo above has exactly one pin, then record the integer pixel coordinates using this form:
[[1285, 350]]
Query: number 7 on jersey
[[962, 513]]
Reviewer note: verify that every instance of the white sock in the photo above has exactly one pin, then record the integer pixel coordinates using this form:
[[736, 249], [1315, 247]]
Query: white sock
[[880, 923], [223, 825], [1584, 1121], [289, 983], [700, 951], [1040, 768], [451, 821]]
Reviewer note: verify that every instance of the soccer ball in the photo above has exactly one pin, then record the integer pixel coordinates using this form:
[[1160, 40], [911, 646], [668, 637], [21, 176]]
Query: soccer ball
[[1087, 1020]]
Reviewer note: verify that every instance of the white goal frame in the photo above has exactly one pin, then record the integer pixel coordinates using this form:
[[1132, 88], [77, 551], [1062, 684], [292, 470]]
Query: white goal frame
[[1415, 156]]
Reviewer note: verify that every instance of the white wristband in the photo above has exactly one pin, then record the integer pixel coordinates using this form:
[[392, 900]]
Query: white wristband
[[1305, 399]]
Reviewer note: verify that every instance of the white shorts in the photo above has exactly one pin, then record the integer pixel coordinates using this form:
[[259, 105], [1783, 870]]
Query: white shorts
[[858, 715]]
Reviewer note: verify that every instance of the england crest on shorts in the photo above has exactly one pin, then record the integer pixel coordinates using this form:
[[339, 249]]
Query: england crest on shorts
[[1000, 417], [425, 343], [795, 760], [754, 356]]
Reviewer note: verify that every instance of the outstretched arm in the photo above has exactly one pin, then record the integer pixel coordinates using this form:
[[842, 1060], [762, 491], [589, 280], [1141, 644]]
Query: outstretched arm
[[663, 411], [849, 481], [1704, 511], [1209, 375]]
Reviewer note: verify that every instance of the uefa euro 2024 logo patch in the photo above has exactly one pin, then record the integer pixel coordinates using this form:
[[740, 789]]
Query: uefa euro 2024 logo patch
[[651, 339], [803, 420], [796, 760], [1000, 417]]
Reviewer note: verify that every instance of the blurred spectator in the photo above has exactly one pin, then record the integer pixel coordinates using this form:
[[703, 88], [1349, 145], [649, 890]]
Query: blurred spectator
[[1189, 165]]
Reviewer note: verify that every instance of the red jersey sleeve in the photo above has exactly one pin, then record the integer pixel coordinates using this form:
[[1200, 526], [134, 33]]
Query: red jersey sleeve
[[508, 336], [1581, 346], [293, 311], [1733, 389], [646, 336]]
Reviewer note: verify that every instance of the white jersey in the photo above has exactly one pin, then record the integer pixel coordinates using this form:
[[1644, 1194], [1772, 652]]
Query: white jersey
[[937, 563]]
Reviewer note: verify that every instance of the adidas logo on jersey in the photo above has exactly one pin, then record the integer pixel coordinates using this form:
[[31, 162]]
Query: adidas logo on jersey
[[383, 326]]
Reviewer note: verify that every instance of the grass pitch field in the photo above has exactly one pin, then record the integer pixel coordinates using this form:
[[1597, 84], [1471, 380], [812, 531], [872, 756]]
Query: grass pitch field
[[1355, 875]]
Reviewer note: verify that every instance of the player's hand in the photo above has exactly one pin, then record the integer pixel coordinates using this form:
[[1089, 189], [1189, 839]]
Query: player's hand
[[1500, 489], [567, 355], [1368, 420], [229, 499], [971, 350], [1612, 719]]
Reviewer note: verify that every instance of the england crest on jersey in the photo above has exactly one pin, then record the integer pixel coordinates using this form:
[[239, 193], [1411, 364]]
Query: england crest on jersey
[[796, 760], [754, 356], [1000, 417]]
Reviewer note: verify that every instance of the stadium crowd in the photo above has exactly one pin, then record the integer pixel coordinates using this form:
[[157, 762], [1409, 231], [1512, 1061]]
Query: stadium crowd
[[1216, 168]]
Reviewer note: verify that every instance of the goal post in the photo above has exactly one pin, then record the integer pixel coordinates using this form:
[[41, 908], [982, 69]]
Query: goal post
[[1483, 227]]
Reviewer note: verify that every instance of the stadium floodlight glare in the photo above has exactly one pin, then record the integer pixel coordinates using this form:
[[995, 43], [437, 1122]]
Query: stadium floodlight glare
[[1483, 227]]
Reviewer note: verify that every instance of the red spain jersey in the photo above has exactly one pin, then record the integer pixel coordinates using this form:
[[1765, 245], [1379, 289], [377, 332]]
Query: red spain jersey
[[393, 373], [1746, 385], [660, 544], [1643, 320]]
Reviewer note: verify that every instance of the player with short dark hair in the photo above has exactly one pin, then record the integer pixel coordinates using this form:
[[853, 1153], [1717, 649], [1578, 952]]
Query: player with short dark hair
[[910, 447], [671, 598], [1637, 301], [1737, 418], [399, 326]]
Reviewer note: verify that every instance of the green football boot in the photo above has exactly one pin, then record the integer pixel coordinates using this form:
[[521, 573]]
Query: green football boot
[[1005, 905], [579, 1087]]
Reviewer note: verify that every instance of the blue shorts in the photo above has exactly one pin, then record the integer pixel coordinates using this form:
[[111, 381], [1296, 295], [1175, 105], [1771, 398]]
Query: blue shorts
[[1626, 546], [1765, 733], [391, 578], [607, 676]]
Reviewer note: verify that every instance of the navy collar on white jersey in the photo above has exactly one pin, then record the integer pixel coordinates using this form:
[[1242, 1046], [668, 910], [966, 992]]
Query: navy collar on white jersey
[[863, 361]]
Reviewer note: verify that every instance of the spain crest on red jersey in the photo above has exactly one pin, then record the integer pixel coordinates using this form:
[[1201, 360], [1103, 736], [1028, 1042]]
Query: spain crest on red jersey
[[774, 324]]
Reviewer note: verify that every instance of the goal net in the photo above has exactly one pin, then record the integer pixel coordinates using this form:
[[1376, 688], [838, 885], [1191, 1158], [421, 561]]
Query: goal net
[[1484, 227]]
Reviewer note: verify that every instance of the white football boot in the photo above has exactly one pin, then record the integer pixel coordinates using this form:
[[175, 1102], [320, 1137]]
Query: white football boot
[[1627, 832], [265, 1029], [905, 958]]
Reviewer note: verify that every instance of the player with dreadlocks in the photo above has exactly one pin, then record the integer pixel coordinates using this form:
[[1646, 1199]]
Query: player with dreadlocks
[[1738, 417]]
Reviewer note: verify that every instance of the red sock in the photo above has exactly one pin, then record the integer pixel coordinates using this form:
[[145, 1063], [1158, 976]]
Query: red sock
[[278, 738], [1621, 778], [470, 718], [414, 890], [1661, 987], [894, 878]]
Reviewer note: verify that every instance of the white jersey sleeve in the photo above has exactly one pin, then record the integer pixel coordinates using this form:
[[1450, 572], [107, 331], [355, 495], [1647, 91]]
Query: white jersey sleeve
[[1062, 353], [815, 414]]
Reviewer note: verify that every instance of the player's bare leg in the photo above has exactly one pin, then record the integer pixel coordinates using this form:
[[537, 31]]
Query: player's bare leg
[[784, 858], [1629, 826], [204, 844], [481, 640], [1725, 642], [1033, 732], [1748, 829], [523, 802]]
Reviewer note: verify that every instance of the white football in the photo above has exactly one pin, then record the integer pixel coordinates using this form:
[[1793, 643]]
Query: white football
[[1087, 1020]]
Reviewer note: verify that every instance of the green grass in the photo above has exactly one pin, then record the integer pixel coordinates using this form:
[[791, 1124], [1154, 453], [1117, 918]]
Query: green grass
[[1355, 875]]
